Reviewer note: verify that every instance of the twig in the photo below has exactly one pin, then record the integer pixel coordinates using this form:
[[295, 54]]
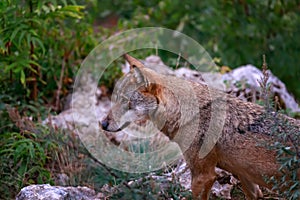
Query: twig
[[178, 60], [59, 85], [108, 170], [263, 82]]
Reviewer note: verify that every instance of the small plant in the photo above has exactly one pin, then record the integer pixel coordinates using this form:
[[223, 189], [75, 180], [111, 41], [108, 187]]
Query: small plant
[[24, 154], [40, 49], [151, 186], [287, 140], [31, 153]]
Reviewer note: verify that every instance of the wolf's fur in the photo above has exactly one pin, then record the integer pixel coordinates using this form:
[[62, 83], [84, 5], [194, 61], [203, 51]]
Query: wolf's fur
[[240, 149]]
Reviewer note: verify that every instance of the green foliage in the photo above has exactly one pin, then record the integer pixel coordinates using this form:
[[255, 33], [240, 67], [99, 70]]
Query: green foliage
[[142, 186], [33, 50], [238, 32], [23, 160], [286, 136], [286, 146], [24, 154], [31, 153], [62, 34], [289, 160]]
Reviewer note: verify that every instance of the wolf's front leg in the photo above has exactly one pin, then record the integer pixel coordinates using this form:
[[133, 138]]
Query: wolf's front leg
[[203, 175], [202, 183]]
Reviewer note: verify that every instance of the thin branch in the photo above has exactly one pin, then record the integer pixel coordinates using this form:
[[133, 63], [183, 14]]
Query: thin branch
[[60, 83]]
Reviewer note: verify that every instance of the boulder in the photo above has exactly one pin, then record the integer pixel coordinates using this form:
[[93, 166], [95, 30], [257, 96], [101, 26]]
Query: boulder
[[48, 192], [243, 82]]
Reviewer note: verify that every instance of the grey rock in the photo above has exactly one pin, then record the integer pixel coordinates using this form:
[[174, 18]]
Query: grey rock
[[243, 82], [48, 192]]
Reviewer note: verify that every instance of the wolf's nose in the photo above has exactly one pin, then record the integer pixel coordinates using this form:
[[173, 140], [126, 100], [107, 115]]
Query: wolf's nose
[[104, 124]]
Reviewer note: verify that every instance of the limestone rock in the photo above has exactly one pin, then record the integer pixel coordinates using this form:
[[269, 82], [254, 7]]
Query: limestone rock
[[243, 83], [48, 192]]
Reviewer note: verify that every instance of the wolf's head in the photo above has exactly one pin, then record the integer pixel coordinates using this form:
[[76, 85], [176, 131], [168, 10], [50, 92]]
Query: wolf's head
[[136, 100]]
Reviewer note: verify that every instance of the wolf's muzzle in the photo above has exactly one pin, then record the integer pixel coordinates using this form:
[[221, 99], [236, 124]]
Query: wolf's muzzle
[[105, 126]]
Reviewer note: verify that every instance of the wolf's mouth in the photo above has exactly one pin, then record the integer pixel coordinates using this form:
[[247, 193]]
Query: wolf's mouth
[[122, 127], [105, 126]]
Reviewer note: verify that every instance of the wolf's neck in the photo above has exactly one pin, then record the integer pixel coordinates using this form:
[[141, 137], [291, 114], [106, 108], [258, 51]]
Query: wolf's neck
[[185, 112], [169, 113]]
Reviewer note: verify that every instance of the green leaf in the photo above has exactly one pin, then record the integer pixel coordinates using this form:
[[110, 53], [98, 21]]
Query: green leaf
[[11, 66], [19, 152], [73, 8], [16, 31], [21, 37], [36, 41], [33, 33], [22, 169], [22, 78], [31, 150], [32, 62], [35, 21], [2, 45], [72, 11], [28, 39]]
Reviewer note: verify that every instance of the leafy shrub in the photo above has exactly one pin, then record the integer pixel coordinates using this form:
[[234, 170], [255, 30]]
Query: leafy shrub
[[286, 144], [40, 49], [156, 185], [289, 158], [31, 153], [24, 153], [23, 161]]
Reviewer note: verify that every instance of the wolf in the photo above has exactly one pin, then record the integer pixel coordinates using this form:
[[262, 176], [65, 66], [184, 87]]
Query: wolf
[[241, 147]]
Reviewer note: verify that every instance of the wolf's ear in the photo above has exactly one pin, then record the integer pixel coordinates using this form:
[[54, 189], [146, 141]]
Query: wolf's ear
[[136, 66], [133, 62], [139, 75]]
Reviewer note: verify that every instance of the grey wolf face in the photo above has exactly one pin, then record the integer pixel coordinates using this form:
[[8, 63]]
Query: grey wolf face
[[137, 107], [132, 103]]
